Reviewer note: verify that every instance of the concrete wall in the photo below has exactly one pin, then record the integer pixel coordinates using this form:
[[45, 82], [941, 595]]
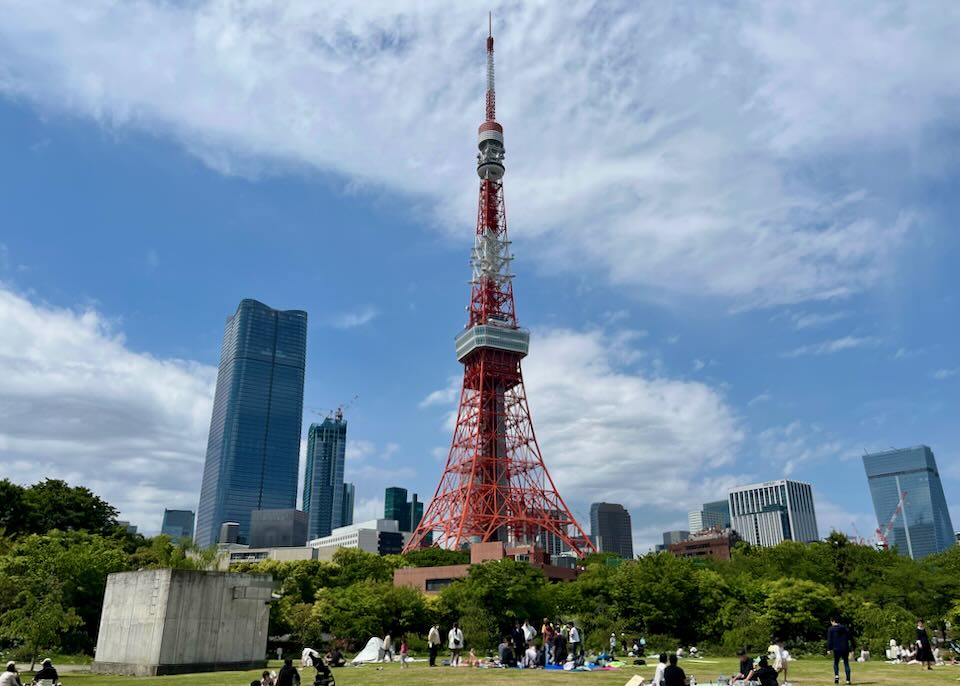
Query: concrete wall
[[175, 621]]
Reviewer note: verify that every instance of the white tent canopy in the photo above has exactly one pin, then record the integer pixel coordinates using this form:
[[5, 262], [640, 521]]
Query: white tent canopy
[[371, 652]]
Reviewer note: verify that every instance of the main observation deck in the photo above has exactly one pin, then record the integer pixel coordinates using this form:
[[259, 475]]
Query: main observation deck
[[492, 336]]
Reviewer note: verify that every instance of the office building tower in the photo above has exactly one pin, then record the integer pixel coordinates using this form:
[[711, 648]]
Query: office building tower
[[610, 524], [671, 537], [177, 524], [323, 482], [253, 451], [396, 506], [775, 511], [722, 509], [699, 520], [229, 533], [127, 526], [278, 528], [908, 479], [349, 499], [552, 543]]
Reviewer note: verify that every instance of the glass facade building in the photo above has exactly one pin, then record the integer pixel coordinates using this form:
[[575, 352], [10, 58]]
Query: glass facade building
[[323, 487], [923, 526], [253, 451], [775, 511], [396, 506], [177, 524], [349, 498], [721, 508], [611, 529]]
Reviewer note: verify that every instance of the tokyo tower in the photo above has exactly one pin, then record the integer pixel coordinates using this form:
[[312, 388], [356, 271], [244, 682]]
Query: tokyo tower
[[495, 486]]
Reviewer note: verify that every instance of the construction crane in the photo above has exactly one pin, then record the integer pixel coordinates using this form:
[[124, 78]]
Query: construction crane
[[337, 411], [883, 536], [859, 539]]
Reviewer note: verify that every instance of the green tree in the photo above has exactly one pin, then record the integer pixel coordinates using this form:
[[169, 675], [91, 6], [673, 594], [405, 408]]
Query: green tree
[[369, 608], [12, 509], [659, 593], [54, 504], [435, 557], [493, 597], [797, 609]]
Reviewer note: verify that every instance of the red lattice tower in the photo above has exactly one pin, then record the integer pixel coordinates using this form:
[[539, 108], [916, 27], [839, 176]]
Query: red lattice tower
[[495, 486]]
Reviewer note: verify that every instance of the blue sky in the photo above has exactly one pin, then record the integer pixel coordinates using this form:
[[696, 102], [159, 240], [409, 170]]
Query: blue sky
[[735, 232]]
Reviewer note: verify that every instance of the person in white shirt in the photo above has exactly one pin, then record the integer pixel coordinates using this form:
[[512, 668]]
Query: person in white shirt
[[779, 656], [455, 642], [574, 641], [529, 633], [388, 648], [658, 674], [530, 657], [10, 676], [433, 641]]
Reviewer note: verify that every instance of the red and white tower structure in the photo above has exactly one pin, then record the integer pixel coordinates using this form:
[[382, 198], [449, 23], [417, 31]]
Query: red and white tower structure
[[495, 486]]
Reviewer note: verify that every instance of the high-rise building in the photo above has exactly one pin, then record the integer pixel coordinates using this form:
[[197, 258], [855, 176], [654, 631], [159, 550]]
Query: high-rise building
[[254, 445], [177, 524], [721, 508], [349, 499], [775, 511], [278, 528], [551, 542], [323, 487], [672, 537], [610, 525], [698, 520], [396, 506], [908, 479]]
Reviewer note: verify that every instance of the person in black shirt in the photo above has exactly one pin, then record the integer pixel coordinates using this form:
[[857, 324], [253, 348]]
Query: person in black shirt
[[288, 676], [46, 672], [838, 640], [673, 675], [764, 673], [924, 650], [746, 665]]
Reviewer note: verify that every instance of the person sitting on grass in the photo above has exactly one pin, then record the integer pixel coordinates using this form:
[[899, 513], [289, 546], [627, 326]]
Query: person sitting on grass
[[746, 665], [289, 676], [10, 676], [266, 679], [335, 658], [47, 671], [674, 675], [764, 673], [531, 657]]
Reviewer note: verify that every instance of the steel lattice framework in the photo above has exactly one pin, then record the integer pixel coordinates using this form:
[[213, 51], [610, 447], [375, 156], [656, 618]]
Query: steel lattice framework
[[495, 486]]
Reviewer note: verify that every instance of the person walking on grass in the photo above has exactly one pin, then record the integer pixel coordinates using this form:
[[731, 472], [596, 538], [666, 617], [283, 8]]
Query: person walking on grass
[[404, 651], [455, 643], [433, 641], [838, 641], [288, 675], [924, 651], [388, 648]]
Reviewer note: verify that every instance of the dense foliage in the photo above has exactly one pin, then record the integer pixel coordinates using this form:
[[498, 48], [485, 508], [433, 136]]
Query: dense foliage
[[58, 544], [789, 591]]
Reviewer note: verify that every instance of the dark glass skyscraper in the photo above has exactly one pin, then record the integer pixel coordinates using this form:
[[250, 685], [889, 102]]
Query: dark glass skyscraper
[[323, 488], [923, 526], [254, 447], [177, 524], [611, 529], [396, 506]]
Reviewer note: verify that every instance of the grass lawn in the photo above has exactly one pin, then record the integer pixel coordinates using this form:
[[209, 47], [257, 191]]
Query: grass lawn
[[805, 672]]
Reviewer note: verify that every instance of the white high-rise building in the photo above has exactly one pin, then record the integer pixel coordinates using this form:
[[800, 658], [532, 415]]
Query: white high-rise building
[[775, 511]]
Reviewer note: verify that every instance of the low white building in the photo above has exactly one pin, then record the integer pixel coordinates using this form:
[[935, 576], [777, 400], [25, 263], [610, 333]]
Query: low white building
[[379, 536]]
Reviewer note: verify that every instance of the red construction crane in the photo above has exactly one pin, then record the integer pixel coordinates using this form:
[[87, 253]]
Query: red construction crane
[[883, 536], [495, 486]]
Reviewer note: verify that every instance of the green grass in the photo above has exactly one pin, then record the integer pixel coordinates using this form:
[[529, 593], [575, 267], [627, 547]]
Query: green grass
[[804, 672]]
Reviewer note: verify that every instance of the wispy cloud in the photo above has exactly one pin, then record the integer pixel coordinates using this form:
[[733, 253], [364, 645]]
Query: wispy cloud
[[443, 396], [351, 320], [806, 320], [690, 183], [942, 374], [833, 346]]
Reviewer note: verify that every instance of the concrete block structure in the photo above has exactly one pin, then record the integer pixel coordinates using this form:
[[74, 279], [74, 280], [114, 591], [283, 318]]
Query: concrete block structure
[[176, 621]]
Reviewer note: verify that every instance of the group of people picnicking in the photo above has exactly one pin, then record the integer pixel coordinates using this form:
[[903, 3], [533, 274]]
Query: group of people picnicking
[[47, 674]]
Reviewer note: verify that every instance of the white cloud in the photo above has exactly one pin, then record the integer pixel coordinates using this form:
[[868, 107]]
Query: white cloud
[[833, 346], [367, 508], [443, 396], [609, 433], [806, 320], [683, 139], [787, 447], [833, 517], [757, 399], [351, 320], [76, 403], [942, 374]]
